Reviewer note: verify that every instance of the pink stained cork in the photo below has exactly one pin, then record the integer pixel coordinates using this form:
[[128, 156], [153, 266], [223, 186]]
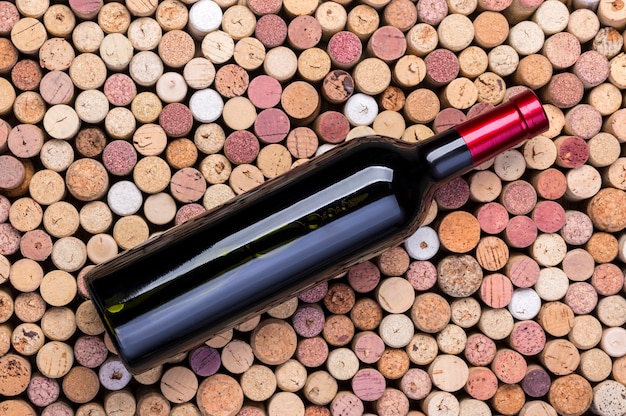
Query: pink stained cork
[[442, 66], [578, 228], [364, 277], [187, 212], [493, 217], [387, 43], [549, 216], [550, 183], [5, 206], [522, 270], [272, 125], [314, 294], [422, 275], [453, 194], [368, 384], [36, 245], [345, 49], [448, 118], [584, 121], [368, 347], [176, 119], [13, 172], [480, 350], [519, 197], [581, 297], [304, 32], [120, 89], [527, 338], [119, 157], [86, 9], [9, 16], [496, 290], [263, 7], [188, 185], [271, 30], [481, 383], [264, 91], [432, 11], [564, 90], [509, 366], [56, 87], [521, 231], [312, 352], [592, 68], [43, 391], [90, 351], [607, 279], [241, 147]]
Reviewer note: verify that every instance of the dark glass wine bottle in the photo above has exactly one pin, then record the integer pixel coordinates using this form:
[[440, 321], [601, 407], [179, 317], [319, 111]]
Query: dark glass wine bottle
[[200, 278]]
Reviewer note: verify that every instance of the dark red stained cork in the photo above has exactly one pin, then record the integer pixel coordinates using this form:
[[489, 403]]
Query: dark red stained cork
[[271, 30], [304, 32], [241, 146], [272, 125], [453, 195], [442, 66], [537, 382], [314, 294], [26, 75], [572, 151], [176, 119]]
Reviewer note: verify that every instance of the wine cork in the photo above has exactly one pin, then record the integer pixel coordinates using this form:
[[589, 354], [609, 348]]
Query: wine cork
[[176, 119], [87, 36], [215, 168], [459, 232], [613, 341], [338, 330], [612, 15], [481, 383], [144, 33], [145, 68], [438, 403], [57, 87], [480, 350], [300, 100], [490, 29], [88, 71], [362, 20], [448, 118], [43, 391], [331, 126], [452, 195], [18, 372], [452, 340], [320, 388], [396, 330], [308, 320], [369, 385], [534, 71], [26, 75], [609, 309], [492, 216], [81, 384], [465, 312], [29, 307], [152, 402], [610, 101], [312, 352], [430, 312], [393, 363], [339, 299], [509, 399], [368, 346], [271, 30], [509, 366], [174, 15], [218, 46], [27, 339], [28, 35], [361, 109], [55, 359], [176, 48], [539, 153], [342, 363], [10, 16], [496, 323], [364, 80]]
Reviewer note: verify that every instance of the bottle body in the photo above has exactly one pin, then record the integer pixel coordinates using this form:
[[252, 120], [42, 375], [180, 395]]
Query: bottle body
[[205, 276]]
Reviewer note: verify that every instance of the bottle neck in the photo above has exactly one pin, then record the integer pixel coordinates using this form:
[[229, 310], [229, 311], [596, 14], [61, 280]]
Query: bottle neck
[[446, 156]]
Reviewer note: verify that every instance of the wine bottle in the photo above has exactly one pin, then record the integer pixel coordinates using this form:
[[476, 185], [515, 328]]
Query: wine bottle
[[203, 277]]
